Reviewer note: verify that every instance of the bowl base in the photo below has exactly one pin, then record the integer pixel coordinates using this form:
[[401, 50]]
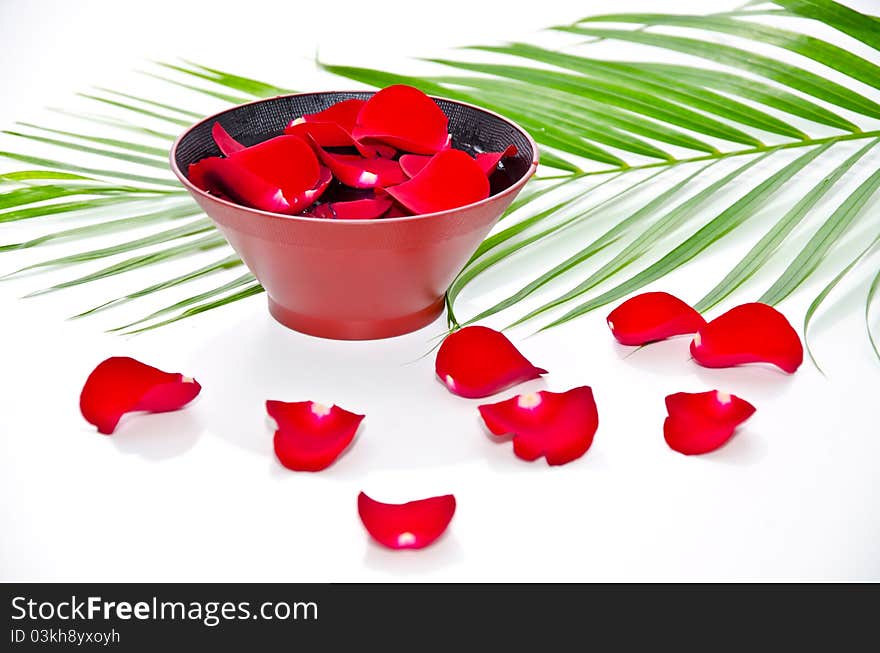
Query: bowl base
[[356, 329]]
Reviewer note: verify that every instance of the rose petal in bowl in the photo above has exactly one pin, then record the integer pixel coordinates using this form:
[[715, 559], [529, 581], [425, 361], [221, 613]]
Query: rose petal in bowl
[[332, 128], [412, 164], [412, 525], [559, 426], [342, 113], [310, 435], [368, 208], [405, 118], [122, 385], [224, 141], [750, 333], [488, 161], [450, 179], [362, 172], [477, 361], [287, 162], [652, 316], [702, 422], [326, 134], [281, 175]]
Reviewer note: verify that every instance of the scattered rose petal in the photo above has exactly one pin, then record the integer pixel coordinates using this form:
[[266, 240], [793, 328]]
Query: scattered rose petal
[[405, 118], [365, 209], [477, 361], [559, 426], [224, 141], [122, 385], [488, 161], [412, 525], [362, 172], [652, 316], [703, 421], [750, 333], [450, 180], [310, 436], [412, 164]]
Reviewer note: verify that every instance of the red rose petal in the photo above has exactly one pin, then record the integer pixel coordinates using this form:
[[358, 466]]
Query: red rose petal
[[488, 161], [652, 316], [750, 333], [281, 175], [477, 361], [310, 436], [342, 113], [451, 179], [412, 525], [361, 172], [366, 209], [121, 385], [326, 134], [287, 162], [405, 118], [330, 127], [701, 422], [559, 426], [412, 164], [397, 211], [224, 141], [312, 195], [226, 178]]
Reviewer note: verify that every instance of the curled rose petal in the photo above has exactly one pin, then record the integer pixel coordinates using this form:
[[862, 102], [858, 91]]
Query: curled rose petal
[[703, 421], [405, 118], [488, 161], [224, 141], [412, 164], [287, 162], [750, 333], [451, 179], [342, 113], [559, 426], [332, 128], [326, 134], [397, 211], [122, 385], [412, 525], [281, 175], [365, 209], [225, 178], [310, 436], [652, 316], [362, 172], [477, 361], [312, 195]]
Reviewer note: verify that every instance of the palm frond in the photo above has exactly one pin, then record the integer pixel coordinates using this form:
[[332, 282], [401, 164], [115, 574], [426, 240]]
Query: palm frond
[[661, 140]]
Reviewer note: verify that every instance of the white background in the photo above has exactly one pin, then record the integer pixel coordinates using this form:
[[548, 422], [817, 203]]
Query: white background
[[198, 495]]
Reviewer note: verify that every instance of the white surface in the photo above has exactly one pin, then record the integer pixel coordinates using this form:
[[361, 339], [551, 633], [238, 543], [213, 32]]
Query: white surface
[[198, 495]]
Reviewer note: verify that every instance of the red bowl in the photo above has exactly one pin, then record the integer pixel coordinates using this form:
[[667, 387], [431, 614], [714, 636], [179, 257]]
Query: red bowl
[[356, 279]]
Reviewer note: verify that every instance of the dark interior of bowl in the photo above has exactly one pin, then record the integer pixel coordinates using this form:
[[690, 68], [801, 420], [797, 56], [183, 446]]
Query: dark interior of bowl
[[473, 130]]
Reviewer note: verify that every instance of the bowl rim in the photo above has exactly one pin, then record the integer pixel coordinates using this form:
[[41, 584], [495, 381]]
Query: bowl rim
[[513, 189]]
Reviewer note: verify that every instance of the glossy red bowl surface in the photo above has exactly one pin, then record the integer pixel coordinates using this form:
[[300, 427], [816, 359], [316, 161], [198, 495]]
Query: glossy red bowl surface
[[356, 279]]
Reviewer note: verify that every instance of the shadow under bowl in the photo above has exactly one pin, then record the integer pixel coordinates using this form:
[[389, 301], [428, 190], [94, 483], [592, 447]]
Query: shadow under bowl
[[356, 279]]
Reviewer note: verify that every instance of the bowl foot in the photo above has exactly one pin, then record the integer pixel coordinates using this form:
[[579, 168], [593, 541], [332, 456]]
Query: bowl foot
[[356, 329]]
